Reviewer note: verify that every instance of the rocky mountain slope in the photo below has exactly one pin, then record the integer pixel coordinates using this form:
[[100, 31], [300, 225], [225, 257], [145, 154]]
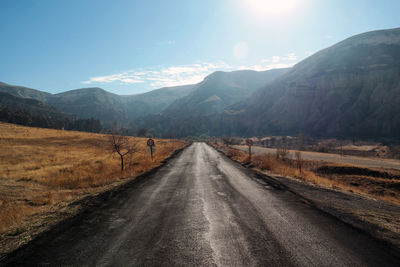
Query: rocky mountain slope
[[349, 89], [219, 90]]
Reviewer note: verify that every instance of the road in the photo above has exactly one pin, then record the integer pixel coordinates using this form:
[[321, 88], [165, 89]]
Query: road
[[353, 160], [202, 209]]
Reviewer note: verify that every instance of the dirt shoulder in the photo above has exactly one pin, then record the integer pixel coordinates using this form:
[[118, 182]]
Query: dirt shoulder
[[345, 159], [379, 218]]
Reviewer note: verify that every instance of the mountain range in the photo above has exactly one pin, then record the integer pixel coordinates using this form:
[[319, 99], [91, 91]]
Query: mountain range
[[211, 96], [351, 89], [97, 103]]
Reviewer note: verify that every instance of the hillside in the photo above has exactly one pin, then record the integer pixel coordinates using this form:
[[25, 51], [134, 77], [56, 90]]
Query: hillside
[[219, 90], [36, 107], [90, 103], [155, 101], [24, 92], [32, 112], [349, 89], [97, 103]]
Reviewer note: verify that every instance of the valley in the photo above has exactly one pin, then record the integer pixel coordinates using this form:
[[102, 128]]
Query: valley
[[200, 133]]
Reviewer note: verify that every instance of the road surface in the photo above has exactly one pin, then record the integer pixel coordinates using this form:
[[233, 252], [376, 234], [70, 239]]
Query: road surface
[[328, 157], [202, 209]]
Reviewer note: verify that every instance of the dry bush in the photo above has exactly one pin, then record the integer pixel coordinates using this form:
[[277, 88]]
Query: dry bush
[[11, 213], [299, 160], [238, 155], [282, 154], [264, 162]]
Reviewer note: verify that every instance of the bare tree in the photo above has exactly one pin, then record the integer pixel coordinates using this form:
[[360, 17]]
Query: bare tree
[[300, 141], [299, 160], [121, 145], [282, 153]]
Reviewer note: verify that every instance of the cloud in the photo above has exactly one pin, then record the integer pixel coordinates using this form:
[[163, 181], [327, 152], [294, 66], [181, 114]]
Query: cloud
[[275, 59], [264, 67], [164, 76], [291, 56], [167, 42], [160, 76], [124, 77]]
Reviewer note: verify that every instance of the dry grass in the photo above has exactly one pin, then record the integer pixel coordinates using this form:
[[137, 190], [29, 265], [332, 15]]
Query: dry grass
[[378, 187], [42, 170]]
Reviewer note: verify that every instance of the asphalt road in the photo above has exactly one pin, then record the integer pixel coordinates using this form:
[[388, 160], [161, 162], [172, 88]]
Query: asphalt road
[[202, 209]]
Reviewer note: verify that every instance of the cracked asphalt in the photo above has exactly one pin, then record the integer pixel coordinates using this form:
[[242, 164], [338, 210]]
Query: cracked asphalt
[[202, 209]]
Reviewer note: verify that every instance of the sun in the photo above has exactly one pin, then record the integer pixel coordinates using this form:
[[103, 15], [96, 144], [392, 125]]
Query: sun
[[271, 8]]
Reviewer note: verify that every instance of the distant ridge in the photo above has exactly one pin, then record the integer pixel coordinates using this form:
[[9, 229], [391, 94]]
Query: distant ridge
[[97, 103], [219, 90]]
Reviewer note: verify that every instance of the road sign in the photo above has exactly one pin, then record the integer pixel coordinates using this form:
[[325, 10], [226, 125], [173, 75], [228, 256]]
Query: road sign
[[150, 142], [249, 142]]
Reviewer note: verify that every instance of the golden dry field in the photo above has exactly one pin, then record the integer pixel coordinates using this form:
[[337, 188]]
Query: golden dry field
[[375, 182], [43, 170]]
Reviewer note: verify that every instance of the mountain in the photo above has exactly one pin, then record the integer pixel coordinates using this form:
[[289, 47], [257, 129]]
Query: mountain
[[154, 102], [97, 103], [36, 107], [90, 103], [24, 92], [219, 90], [200, 111], [32, 112], [349, 89]]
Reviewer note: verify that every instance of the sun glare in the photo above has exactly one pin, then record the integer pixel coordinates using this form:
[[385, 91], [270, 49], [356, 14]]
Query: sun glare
[[271, 8]]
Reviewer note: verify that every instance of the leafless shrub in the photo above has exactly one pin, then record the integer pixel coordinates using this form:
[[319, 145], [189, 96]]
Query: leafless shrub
[[121, 145], [299, 160], [282, 154], [228, 140]]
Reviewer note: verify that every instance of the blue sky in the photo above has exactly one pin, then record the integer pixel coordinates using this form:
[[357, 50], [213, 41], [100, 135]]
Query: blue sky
[[128, 47]]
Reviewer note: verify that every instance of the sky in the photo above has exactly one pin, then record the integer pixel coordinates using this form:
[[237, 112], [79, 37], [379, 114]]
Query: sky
[[130, 47]]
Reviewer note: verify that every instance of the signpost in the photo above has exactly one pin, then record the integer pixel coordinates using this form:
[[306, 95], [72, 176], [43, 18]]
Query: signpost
[[151, 145], [249, 143]]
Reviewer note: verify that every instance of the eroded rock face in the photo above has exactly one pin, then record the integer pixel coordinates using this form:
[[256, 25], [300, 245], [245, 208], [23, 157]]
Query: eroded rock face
[[351, 88]]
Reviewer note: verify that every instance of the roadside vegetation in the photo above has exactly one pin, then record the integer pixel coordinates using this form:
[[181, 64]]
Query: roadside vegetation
[[42, 171], [377, 183]]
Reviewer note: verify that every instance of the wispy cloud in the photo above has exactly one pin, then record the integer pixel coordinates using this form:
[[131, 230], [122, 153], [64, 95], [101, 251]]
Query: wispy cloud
[[163, 76], [167, 42], [124, 77], [263, 67], [275, 62], [157, 77]]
